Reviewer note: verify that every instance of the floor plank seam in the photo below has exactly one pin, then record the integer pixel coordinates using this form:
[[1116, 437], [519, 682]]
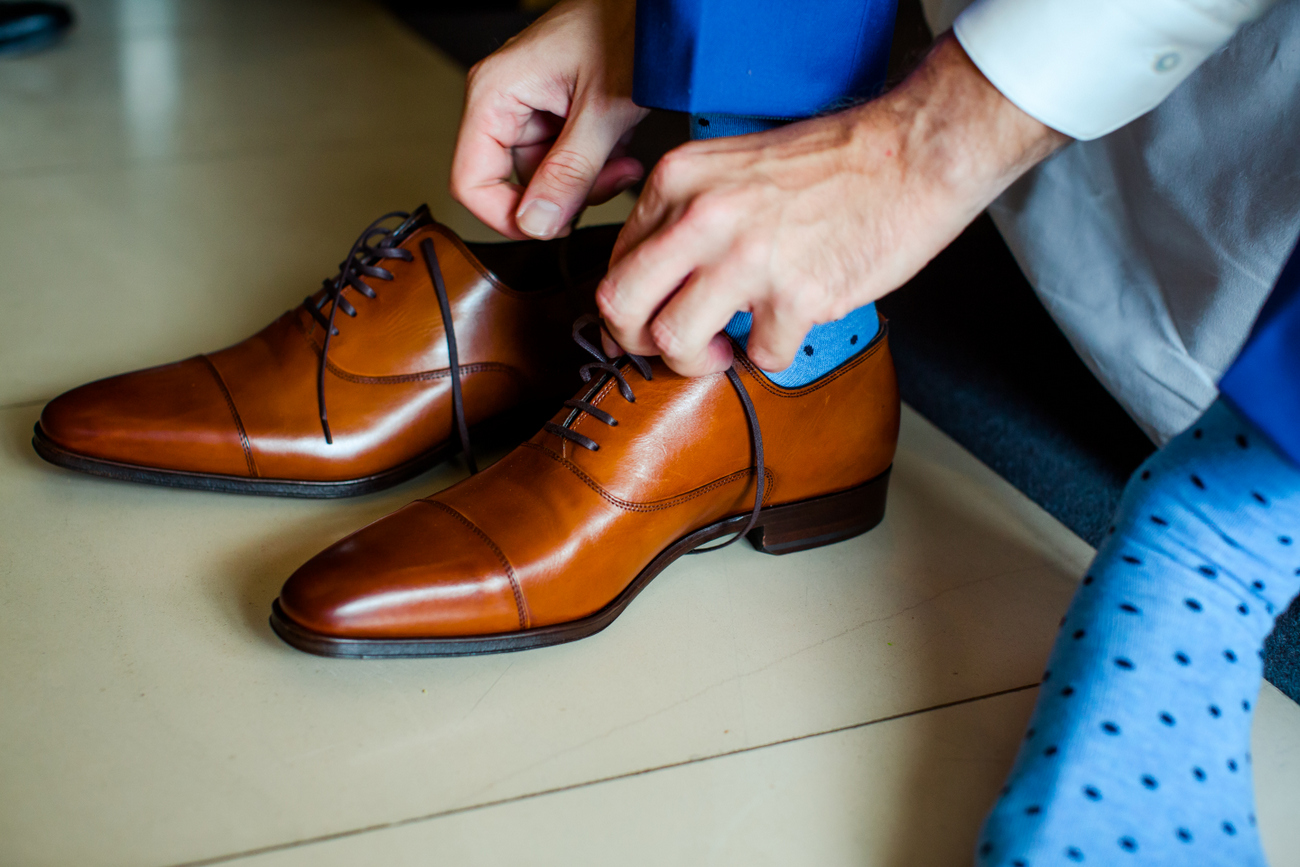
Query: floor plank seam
[[441, 814]]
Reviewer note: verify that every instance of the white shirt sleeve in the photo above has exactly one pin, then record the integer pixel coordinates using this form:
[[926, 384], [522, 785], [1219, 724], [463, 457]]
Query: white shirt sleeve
[[1087, 67]]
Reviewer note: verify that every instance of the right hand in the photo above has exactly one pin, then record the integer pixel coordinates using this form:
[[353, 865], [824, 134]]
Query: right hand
[[554, 107]]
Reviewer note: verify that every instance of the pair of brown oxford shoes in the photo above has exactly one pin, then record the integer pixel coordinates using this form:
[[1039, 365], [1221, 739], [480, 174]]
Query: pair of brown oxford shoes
[[422, 338]]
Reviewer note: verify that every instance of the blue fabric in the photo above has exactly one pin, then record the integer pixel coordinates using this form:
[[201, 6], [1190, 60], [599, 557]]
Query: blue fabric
[[826, 346], [717, 125], [743, 67], [1263, 384], [1139, 747], [772, 59]]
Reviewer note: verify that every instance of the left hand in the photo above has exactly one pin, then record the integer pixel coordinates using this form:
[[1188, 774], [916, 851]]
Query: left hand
[[803, 224]]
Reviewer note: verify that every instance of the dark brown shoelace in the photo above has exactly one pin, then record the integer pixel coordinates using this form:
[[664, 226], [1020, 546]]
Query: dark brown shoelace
[[363, 261], [611, 368]]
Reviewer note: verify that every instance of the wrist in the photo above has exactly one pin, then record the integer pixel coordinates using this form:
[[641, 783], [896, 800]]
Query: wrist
[[954, 129]]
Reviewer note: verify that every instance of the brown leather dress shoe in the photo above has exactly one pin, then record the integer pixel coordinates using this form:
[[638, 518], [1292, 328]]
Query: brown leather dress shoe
[[362, 386], [551, 543]]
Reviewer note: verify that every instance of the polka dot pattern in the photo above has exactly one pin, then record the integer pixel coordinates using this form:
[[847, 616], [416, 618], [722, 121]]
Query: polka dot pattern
[[1138, 753], [824, 348]]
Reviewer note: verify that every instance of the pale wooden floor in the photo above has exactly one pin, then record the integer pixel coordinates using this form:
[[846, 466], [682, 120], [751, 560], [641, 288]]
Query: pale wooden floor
[[172, 178]]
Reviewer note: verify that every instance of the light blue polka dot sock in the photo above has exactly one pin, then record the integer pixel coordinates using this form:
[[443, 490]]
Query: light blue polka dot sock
[[1138, 751], [826, 346]]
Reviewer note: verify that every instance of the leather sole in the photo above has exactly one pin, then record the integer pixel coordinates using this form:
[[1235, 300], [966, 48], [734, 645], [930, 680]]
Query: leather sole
[[780, 530]]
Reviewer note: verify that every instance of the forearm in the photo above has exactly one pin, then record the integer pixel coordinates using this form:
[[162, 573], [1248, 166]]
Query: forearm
[[954, 132]]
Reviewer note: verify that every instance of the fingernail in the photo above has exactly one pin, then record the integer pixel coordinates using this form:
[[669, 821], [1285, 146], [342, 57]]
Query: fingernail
[[540, 218]]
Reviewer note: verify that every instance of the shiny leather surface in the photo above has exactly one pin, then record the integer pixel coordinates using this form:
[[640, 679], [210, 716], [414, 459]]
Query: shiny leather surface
[[251, 410], [554, 532]]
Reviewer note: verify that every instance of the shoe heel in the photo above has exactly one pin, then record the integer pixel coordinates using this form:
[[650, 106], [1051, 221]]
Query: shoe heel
[[823, 520]]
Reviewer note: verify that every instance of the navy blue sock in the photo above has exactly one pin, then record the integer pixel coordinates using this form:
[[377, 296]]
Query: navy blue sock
[[826, 346], [1139, 748]]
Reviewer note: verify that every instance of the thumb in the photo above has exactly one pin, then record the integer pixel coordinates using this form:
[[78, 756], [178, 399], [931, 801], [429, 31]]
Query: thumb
[[563, 181]]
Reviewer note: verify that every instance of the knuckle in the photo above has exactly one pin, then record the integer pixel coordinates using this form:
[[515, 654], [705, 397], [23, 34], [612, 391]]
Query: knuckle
[[459, 189], [666, 338], [569, 170], [480, 74], [701, 213], [670, 164], [607, 304], [657, 186], [711, 211], [616, 312]]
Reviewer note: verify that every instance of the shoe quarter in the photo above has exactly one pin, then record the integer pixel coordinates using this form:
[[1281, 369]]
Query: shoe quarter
[[678, 436], [835, 433]]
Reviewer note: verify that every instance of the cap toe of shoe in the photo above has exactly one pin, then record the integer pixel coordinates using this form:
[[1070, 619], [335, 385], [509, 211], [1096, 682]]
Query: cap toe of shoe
[[422, 572], [173, 417]]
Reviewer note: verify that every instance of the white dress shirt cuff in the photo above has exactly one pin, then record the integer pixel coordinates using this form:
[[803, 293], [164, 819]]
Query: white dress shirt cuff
[[1087, 67]]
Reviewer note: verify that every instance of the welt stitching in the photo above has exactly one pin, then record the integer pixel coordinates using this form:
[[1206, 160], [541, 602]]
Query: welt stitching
[[521, 607], [234, 413], [653, 505]]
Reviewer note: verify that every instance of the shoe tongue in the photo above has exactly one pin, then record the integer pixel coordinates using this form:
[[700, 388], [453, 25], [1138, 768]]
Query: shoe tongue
[[419, 218]]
